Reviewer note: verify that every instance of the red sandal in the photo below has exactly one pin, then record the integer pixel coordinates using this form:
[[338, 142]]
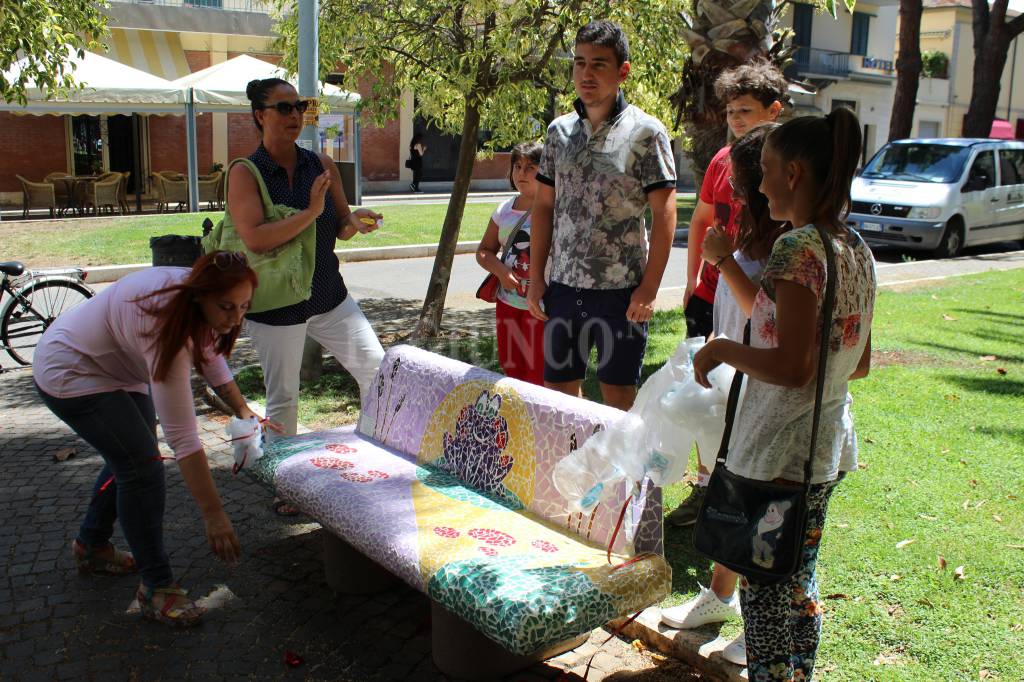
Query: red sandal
[[169, 605], [107, 560]]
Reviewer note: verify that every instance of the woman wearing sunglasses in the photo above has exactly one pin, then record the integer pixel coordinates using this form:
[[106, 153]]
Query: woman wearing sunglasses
[[311, 183], [108, 369]]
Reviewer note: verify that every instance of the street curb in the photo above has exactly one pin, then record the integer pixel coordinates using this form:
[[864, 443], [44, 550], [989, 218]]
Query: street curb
[[111, 273], [698, 648]]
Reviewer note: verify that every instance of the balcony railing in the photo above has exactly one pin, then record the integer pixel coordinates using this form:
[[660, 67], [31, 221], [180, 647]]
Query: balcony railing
[[810, 61], [257, 6]]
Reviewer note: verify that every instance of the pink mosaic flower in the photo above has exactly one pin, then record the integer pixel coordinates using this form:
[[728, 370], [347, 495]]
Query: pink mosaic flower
[[356, 477], [489, 551], [331, 463], [492, 537], [378, 474], [340, 448], [544, 546], [446, 532]]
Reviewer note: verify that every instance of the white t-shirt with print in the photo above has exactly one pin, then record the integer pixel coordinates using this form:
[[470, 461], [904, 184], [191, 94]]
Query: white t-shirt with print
[[517, 255], [772, 432]]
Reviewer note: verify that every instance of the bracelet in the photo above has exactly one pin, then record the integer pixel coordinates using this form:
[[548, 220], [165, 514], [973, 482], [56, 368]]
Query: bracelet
[[718, 263]]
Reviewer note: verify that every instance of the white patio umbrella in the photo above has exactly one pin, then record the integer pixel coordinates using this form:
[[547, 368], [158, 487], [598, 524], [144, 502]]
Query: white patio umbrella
[[109, 87], [221, 88]]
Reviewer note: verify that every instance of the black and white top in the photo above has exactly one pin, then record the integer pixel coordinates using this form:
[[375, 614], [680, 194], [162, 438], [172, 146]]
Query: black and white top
[[328, 290]]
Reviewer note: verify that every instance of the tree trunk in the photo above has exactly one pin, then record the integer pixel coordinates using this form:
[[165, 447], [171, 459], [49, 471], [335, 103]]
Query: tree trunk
[[992, 38], [989, 61], [433, 304], [908, 70], [312, 361]]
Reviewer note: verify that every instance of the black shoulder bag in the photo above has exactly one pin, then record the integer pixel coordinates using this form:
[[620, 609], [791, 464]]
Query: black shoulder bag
[[756, 528]]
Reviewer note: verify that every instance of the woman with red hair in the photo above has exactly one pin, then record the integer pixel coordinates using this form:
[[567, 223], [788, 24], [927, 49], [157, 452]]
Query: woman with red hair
[[108, 369]]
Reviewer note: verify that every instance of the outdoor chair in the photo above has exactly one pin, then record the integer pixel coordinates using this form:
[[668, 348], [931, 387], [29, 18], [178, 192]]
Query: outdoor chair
[[209, 190], [122, 193], [37, 195], [101, 194], [173, 190], [61, 189]]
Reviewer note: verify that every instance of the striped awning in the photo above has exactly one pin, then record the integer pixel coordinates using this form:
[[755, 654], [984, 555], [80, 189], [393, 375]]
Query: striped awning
[[156, 52]]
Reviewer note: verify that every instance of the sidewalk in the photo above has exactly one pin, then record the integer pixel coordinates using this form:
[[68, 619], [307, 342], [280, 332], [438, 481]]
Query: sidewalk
[[56, 624]]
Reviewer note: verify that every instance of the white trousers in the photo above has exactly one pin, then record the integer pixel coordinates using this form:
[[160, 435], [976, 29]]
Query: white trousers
[[344, 332]]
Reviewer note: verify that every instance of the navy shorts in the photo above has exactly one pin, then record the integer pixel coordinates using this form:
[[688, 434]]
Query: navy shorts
[[581, 319]]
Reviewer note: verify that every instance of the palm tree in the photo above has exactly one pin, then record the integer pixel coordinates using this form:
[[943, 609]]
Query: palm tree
[[723, 34]]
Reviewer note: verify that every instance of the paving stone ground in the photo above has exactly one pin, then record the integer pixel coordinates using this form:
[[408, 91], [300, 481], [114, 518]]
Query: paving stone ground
[[55, 624]]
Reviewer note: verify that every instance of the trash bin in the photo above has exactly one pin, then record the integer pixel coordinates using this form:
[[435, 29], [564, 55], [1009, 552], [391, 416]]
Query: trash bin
[[176, 250]]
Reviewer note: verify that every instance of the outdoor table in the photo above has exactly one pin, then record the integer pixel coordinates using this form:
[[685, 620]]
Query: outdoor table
[[72, 182]]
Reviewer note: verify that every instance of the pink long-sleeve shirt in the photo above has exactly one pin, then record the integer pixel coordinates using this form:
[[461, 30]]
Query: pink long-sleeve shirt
[[104, 345]]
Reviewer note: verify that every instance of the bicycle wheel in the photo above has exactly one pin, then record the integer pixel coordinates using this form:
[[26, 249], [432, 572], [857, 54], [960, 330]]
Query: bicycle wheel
[[32, 310]]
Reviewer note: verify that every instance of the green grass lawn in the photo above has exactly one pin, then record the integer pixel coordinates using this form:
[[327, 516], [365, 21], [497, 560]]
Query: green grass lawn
[[942, 466], [126, 239]]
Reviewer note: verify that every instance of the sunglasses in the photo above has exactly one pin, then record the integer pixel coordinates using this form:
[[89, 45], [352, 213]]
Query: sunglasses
[[286, 108], [225, 260]]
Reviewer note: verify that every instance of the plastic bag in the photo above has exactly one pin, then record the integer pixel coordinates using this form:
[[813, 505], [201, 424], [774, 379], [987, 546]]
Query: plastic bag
[[654, 438], [246, 437]]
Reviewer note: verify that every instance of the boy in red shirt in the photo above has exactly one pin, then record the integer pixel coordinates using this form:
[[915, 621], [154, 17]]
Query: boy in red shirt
[[753, 94]]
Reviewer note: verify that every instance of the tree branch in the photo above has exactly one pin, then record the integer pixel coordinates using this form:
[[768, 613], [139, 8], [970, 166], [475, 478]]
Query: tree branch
[[1015, 26]]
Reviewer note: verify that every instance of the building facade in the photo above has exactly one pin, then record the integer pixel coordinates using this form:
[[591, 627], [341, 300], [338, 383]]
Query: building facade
[[943, 100], [851, 62], [170, 39]]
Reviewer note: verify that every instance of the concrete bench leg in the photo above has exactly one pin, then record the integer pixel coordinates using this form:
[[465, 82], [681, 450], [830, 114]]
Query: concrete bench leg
[[462, 651], [349, 571]]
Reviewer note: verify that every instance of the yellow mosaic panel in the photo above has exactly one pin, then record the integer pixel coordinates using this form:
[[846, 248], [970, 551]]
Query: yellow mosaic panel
[[520, 445]]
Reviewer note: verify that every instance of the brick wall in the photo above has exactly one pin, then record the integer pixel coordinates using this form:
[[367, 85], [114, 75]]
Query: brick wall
[[167, 143], [495, 167], [243, 137], [31, 146], [197, 60]]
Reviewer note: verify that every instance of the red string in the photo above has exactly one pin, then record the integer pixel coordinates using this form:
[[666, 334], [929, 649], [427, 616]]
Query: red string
[[612, 636], [618, 525], [106, 484]]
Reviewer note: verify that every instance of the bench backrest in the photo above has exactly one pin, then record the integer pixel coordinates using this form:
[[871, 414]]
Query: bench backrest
[[501, 437]]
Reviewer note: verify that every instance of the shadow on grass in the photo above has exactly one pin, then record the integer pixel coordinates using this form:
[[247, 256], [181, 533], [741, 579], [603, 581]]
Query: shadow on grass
[[996, 432], [993, 385], [689, 567], [1010, 318], [973, 353]]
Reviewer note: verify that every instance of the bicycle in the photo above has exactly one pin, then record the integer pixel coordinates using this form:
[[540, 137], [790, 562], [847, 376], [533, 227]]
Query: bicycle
[[34, 299]]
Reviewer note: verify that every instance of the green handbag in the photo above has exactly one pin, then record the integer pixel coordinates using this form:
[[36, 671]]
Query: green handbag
[[285, 272]]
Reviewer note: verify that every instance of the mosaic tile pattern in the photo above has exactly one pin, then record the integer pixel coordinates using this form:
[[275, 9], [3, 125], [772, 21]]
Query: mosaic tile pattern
[[418, 396], [446, 481]]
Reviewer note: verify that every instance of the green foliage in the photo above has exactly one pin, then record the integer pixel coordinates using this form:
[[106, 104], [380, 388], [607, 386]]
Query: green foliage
[[510, 59], [44, 33], [934, 64]]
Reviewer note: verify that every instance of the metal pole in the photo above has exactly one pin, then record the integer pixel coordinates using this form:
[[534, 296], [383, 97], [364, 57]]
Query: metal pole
[[137, 162], [309, 64], [1013, 70], [357, 148], [193, 163]]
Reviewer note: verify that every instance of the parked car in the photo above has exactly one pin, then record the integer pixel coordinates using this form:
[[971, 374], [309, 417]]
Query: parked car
[[941, 194]]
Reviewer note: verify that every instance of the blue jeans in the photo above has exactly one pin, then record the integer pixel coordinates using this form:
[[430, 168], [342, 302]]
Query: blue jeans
[[130, 487]]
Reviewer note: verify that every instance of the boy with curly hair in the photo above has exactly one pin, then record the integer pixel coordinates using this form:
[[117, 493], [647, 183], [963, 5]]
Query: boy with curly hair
[[753, 94]]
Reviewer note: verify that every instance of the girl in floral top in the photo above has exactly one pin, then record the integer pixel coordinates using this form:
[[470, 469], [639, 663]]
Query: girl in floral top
[[520, 335], [808, 166]]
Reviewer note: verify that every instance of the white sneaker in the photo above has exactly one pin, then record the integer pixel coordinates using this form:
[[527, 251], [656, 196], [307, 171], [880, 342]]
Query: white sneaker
[[736, 650], [702, 609]]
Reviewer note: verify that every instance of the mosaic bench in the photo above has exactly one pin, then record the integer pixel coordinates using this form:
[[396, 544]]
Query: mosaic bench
[[445, 482]]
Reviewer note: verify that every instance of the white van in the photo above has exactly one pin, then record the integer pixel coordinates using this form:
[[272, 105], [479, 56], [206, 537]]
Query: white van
[[941, 194]]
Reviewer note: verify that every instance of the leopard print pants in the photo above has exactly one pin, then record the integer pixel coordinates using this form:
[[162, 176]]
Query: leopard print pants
[[782, 622]]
